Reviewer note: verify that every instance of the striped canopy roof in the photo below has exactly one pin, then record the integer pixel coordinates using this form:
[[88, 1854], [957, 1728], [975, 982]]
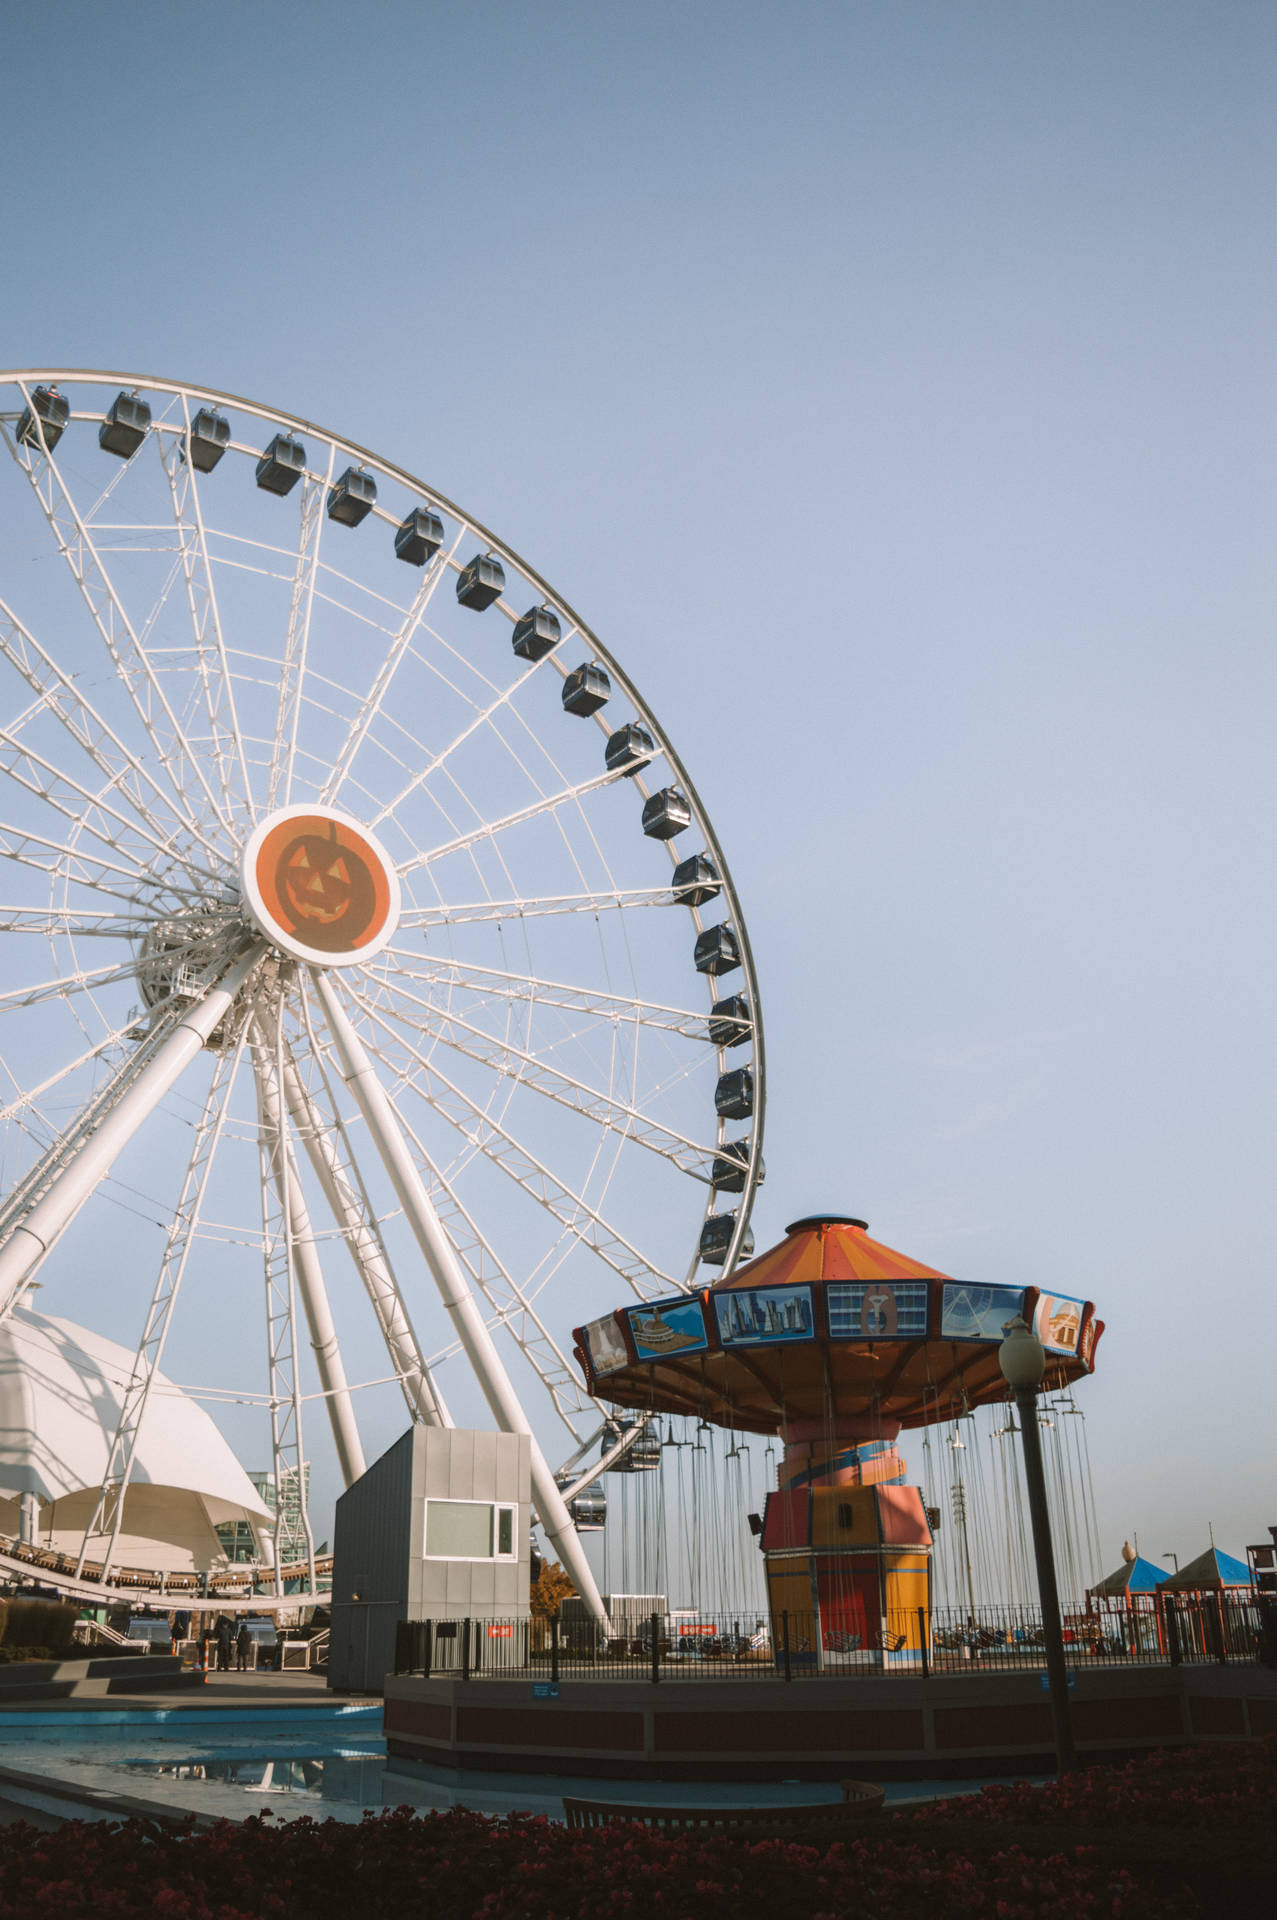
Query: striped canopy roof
[[827, 1247]]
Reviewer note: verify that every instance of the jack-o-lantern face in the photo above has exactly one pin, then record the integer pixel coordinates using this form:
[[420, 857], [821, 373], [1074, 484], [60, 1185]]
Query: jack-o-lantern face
[[315, 878], [322, 883]]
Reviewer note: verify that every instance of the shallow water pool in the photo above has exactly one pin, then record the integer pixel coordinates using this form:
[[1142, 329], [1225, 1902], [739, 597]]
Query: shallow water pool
[[331, 1763], [351, 1776]]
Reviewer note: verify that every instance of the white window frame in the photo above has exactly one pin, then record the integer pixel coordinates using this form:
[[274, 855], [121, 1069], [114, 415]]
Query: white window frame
[[495, 1508]]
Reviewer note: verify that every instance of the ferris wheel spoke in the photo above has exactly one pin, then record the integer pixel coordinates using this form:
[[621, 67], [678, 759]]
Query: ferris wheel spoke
[[548, 804], [606, 900], [522, 1166], [560, 823], [68, 863], [108, 1513], [527, 1070], [297, 637], [39, 1210], [279, 1250], [527, 988], [213, 663], [556, 814], [102, 745], [480, 719], [511, 1308], [73, 924], [86, 979], [317, 1118], [163, 1016], [137, 671], [462, 836], [29, 1099], [373, 703], [89, 812], [269, 1065]]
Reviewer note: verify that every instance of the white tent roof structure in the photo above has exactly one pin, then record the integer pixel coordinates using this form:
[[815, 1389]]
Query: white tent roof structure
[[61, 1390]]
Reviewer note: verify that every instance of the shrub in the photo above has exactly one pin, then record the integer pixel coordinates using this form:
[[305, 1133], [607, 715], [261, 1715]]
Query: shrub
[[38, 1623], [462, 1866], [957, 1861]]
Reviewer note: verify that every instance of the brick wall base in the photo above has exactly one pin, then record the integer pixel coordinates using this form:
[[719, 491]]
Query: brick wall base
[[877, 1727]]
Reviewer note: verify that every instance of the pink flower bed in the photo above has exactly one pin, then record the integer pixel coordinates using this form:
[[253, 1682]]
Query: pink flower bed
[[948, 1861], [1194, 1788]]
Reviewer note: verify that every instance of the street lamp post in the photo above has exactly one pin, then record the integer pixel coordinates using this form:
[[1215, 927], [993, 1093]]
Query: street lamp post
[[1023, 1362]]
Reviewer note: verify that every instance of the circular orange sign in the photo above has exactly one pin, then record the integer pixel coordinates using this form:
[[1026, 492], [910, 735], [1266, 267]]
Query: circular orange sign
[[320, 886]]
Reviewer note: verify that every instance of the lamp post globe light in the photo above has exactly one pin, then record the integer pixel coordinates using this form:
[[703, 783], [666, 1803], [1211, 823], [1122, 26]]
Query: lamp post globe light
[[1023, 1362]]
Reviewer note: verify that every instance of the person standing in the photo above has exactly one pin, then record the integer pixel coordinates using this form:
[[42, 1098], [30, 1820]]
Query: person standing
[[225, 1636], [243, 1647]]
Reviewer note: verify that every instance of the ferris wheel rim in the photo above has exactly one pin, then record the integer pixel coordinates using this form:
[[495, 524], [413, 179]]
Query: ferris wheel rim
[[404, 475]]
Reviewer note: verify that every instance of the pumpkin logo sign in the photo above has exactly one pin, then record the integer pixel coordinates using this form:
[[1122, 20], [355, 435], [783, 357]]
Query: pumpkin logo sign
[[319, 886]]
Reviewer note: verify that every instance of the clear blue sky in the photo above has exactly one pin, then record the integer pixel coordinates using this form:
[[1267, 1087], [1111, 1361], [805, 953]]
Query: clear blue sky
[[892, 386]]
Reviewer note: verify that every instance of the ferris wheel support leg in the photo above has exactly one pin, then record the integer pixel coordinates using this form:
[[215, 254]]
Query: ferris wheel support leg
[[459, 1303], [30, 1241], [310, 1274], [425, 1401]]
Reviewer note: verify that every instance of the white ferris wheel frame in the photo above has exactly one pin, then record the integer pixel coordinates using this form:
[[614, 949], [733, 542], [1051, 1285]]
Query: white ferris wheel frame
[[195, 800]]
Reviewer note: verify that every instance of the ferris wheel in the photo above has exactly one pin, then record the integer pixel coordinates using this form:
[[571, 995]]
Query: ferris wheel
[[374, 978]]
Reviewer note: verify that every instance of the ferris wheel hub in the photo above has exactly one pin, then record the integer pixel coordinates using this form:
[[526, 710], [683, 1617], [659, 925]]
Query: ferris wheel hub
[[320, 886], [179, 955]]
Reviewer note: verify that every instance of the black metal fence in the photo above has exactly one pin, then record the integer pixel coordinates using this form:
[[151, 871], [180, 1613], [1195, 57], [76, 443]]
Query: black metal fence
[[1222, 1629]]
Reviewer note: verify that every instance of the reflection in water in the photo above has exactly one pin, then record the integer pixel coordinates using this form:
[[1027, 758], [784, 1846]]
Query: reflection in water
[[352, 1776]]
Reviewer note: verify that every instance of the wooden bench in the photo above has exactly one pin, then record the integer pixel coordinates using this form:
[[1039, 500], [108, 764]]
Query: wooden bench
[[859, 1801]]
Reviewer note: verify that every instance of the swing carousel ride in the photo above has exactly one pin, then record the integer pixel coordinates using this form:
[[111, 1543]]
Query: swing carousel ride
[[835, 1343]]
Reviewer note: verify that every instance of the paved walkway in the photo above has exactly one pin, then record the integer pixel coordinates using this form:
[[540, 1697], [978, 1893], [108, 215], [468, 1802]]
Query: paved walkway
[[11, 1813], [247, 1692]]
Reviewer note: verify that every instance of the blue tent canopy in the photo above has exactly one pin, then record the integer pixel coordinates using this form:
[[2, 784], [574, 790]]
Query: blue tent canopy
[[1133, 1576], [1211, 1570]]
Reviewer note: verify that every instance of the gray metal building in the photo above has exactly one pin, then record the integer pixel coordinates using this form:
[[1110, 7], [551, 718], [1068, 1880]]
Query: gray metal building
[[437, 1529]]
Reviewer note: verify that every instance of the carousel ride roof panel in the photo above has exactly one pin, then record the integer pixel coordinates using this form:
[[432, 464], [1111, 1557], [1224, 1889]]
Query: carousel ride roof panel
[[827, 1248], [827, 1326]]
